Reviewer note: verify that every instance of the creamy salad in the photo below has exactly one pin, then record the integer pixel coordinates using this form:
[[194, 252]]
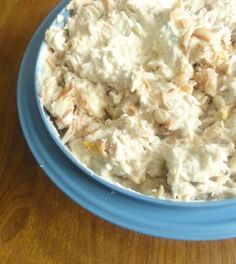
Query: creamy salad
[[144, 93]]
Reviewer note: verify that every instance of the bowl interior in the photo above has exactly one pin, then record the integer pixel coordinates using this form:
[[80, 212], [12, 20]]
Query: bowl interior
[[58, 23]]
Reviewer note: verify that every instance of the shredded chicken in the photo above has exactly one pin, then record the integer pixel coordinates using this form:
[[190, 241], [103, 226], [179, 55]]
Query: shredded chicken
[[144, 93]]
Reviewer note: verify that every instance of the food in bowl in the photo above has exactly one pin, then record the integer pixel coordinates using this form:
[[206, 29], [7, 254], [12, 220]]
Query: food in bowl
[[144, 92]]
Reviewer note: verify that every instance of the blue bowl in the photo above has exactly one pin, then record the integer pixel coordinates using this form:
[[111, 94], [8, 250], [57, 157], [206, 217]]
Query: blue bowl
[[148, 215]]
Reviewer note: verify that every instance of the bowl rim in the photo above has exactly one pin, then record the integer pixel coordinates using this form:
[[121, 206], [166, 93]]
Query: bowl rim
[[116, 187]]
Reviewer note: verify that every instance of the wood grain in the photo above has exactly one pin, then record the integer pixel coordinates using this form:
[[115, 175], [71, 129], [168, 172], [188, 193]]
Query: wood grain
[[38, 223]]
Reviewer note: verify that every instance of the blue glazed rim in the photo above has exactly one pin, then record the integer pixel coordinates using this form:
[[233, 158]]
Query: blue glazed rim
[[168, 219]]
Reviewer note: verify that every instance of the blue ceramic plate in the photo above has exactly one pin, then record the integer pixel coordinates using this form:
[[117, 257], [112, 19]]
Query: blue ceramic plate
[[175, 220]]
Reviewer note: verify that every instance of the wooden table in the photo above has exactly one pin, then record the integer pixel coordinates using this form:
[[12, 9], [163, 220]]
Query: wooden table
[[38, 223]]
